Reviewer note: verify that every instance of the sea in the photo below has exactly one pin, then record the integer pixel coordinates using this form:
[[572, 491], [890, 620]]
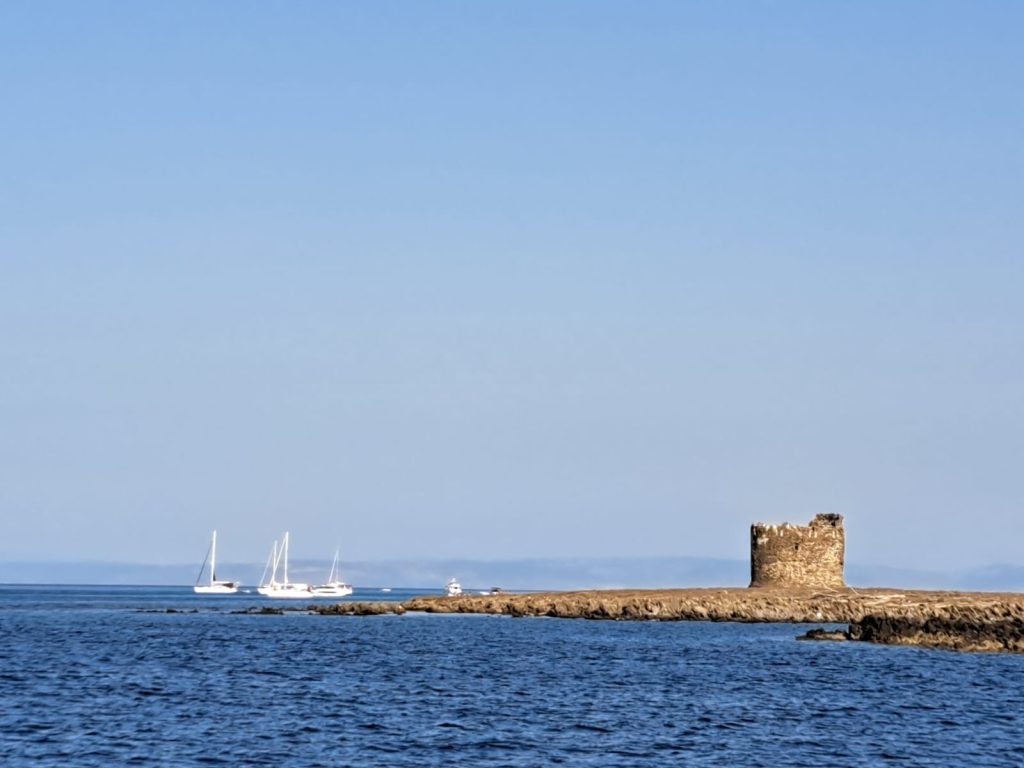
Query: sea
[[112, 676]]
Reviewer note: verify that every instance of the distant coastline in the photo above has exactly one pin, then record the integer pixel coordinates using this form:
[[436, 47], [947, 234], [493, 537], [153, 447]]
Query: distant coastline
[[524, 574]]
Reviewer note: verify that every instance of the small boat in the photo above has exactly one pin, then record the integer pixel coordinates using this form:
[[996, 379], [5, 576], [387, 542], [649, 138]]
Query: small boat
[[492, 591], [385, 589], [334, 587], [452, 588], [213, 586], [283, 588]]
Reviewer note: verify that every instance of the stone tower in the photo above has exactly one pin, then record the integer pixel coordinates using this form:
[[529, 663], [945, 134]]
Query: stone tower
[[798, 556]]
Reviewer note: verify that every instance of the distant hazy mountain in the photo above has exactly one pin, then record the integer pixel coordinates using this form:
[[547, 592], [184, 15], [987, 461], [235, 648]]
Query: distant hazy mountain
[[512, 574], [996, 578]]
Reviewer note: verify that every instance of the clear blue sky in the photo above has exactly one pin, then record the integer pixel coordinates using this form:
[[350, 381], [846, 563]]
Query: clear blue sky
[[503, 280]]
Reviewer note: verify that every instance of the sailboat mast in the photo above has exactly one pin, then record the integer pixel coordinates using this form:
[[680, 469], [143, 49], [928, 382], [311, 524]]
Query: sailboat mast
[[213, 558], [285, 547], [202, 568], [275, 556]]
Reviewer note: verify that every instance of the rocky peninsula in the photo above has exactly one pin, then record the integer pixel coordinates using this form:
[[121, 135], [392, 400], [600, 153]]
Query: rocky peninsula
[[796, 576], [975, 621]]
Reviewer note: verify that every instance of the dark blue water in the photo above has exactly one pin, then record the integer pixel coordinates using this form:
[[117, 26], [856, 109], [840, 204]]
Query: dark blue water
[[91, 676]]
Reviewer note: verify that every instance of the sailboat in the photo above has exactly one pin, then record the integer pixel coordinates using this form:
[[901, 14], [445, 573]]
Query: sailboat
[[213, 586], [334, 587], [284, 588], [271, 568]]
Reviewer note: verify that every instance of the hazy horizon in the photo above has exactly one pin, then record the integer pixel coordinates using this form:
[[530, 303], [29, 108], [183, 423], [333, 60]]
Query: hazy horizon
[[526, 574]]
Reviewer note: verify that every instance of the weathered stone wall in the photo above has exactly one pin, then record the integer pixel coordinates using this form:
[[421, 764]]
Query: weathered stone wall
[[798, 556]]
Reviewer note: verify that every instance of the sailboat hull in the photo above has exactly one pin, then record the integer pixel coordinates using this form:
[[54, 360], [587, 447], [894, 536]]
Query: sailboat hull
[[217, 588], [292, 590]]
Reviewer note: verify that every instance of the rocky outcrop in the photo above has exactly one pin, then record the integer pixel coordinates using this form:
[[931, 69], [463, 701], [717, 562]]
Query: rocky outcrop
[[958, 630], [662, 605], [265, 610], [357, 608], [976, 621], [825, 634], [957, 620], [727, 604]]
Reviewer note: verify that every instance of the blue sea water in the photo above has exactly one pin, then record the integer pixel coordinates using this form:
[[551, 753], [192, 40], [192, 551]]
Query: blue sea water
[[101, 676]]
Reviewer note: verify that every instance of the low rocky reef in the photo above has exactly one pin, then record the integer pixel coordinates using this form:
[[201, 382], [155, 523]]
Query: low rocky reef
[[782, 604], [354, 608], [359, 608], [970, 630], [974, 621]]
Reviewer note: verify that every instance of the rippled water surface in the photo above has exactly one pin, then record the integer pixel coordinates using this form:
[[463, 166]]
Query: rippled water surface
[[95, 676]]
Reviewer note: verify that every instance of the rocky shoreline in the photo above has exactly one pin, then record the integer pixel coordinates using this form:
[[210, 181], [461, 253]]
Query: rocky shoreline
[[960, 631], [976, 621]]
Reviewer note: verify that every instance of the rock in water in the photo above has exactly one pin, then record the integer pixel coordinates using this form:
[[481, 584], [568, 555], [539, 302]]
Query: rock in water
[[824, 634]]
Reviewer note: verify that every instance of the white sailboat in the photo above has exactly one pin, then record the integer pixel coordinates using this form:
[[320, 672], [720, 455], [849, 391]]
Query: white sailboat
[[271, 568], [213, 586], [334, 587], [282, 588]]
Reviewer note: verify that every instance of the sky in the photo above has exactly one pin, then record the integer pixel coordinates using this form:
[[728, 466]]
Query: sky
[[510, 280]]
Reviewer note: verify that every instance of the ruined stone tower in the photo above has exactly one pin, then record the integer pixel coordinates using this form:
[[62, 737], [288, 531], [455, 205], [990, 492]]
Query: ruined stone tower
[[798, 556]]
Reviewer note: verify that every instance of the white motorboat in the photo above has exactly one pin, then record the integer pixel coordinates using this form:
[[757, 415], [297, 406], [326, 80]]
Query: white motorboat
[[333, 587], [452, 588], [213, 585], [283, 588]]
